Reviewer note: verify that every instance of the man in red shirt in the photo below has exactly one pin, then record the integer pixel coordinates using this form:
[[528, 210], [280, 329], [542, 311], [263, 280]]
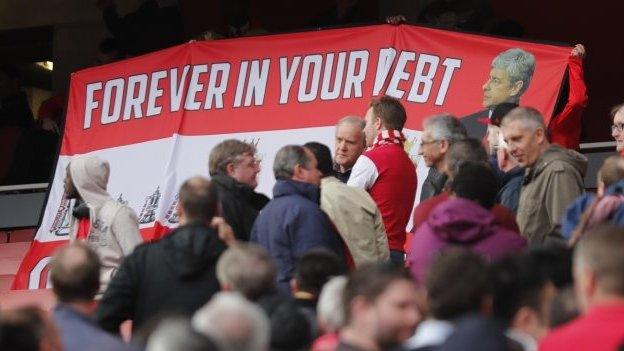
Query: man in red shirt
[[599, 283], [386, 171]]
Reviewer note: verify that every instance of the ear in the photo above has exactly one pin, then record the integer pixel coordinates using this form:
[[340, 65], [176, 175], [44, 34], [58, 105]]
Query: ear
[[180, 211], [378, 124], [298, 172], [230, 169], [540, 134], [293, 286], [226, 287], [444, 146], [523, 319], [516, 88]]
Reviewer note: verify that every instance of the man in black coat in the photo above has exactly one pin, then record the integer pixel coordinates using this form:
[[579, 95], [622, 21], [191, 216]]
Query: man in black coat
[[175, 274], [233, 170]]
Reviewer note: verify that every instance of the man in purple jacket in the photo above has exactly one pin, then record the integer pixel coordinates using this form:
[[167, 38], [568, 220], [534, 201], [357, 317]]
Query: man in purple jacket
[[464, 220]]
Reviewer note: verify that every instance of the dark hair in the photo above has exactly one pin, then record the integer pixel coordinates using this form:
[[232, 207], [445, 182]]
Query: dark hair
[[500, 111], [476, 182], [465, 150], [286, 159], [226, 152], [518, 282], [315, 268], [199, 200], [290, 328], [555, 261], [323, 157], [370, 281], [75, 273], [390, 111], [457, 283], [23, 329]]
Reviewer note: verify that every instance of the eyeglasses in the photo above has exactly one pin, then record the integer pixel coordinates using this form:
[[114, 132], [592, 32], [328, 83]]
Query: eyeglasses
[[617, 127], [421, 142]]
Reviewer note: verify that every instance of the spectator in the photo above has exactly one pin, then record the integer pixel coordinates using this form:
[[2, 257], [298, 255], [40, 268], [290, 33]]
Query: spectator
[[75, 276], [290, 328], [353, 212], [234, 170], [314, 269], [467, 150], [385, 165], [599, 283], [565, 126], [617, 128], [330, 315], [292, 223], [590, 210], [235, 323], [350, 144], [464, 220], [554, 177], [28, 329], [175, 274], [457, 284], [522, 297], [380, 308], [110, 228], [178, 334], [439, 133], [476, 332]]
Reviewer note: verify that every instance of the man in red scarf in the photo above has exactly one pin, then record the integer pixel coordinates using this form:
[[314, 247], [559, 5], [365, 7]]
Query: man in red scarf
[[386, 171]]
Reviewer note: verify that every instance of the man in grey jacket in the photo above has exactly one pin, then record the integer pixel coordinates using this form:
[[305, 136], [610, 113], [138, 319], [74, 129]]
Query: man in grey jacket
[[108, 227], [553, 176]]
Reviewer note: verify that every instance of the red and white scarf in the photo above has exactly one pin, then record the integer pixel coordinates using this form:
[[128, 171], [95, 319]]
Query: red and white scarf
[[387, 137]]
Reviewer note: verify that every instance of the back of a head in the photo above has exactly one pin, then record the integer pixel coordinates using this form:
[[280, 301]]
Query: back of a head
[[178, 334], [518, 281], [555, 261], [476, 182], [330, 314], [226, 152], [390, 111], [75, 273], [369, 282], [529, 118], [323, 157], [234, 323], [600, 251], [248, 269], [290, 329], [465, 150], [28, 329], [457, 283], [198, 198], [612, 170], [315, 268], [286, 159], [445, 127]]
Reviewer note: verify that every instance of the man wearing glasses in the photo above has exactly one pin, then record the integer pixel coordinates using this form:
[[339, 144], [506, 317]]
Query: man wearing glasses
[[553, 176], [617, 129]]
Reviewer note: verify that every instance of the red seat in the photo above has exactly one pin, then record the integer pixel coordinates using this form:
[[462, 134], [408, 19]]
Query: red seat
[[5, 282], [11, 255], [42, 298]]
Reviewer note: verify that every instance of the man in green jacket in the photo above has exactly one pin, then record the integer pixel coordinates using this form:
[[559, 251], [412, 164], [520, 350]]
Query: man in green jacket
[[553, 176]]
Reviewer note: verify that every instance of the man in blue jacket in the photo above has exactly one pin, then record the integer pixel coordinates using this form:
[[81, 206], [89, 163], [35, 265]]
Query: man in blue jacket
[[292, 223]]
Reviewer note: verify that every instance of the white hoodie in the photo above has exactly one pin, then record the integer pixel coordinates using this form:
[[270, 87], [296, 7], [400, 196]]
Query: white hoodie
[[114, 228]]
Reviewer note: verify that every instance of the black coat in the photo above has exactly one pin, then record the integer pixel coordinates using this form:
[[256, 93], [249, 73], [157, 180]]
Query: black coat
[[240, 204], [173, 275]]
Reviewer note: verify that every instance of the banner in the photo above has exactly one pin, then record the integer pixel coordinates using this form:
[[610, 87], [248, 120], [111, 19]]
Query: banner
[[156, 117]]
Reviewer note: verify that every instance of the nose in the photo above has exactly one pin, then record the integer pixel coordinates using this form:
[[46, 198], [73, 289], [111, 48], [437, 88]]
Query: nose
[[486, 85], [615, 133]]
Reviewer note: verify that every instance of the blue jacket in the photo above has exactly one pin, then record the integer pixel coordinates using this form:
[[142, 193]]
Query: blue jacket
[[509, 193], [290, 225], [573, 213]]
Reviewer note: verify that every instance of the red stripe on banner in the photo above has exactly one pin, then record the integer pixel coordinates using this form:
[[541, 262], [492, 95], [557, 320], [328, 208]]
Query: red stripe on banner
[[292, 81]]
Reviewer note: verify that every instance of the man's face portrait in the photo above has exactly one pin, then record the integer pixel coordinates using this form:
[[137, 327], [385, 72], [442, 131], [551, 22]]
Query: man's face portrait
[[498, 88]]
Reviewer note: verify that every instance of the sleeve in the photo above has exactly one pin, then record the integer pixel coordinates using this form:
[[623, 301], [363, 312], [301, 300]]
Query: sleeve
[[562, 189], [126, 230], [566, 126], [381, 238], [364, 173], [118, 303]]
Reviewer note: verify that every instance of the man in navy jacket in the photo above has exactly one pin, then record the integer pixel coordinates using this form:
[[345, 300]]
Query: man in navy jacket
[[292, 223]]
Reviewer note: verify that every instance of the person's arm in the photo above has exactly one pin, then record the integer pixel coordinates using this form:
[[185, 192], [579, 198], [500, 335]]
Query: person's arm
[[562, 189], [126, 230], [364, 173], [118, 303], [381, 238]]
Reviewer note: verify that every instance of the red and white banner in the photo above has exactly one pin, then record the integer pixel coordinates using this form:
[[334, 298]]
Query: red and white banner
[[156, 117]]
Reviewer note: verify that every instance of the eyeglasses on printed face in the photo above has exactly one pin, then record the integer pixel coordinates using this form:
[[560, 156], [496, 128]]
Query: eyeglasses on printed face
[[617, 127]]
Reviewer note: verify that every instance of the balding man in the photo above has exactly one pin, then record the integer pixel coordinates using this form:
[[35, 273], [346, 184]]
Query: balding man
[[75, 275], [599, 283], [553, 176], [350, 144], [175, 274]]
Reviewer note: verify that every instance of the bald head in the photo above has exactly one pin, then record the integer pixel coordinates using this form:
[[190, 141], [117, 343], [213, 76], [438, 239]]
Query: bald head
[[75, 273], [198, 201]]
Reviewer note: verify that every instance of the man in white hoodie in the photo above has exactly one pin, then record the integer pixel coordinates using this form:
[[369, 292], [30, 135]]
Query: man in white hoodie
[[108, 227]]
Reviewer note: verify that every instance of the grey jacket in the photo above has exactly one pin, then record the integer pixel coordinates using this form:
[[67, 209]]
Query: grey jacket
[[549, 186], [114, 228]]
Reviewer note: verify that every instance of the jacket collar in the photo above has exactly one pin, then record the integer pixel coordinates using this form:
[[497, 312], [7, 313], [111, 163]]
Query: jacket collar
[[231, 183], [293, 187]]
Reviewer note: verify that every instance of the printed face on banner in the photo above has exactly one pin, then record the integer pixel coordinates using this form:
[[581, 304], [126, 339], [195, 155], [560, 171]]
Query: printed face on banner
[[498, 89], [509, 77], [350, 143]]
